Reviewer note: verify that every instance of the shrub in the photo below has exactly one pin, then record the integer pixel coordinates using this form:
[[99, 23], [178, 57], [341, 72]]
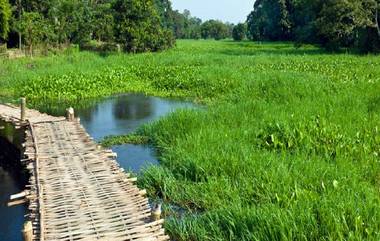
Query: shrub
[[239, 32]]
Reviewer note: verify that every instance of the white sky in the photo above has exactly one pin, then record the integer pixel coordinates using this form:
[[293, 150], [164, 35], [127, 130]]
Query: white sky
[[233, 11]]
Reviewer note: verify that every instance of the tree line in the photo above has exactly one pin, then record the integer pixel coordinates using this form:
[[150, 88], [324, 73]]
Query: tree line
[[333, 24], [135, 25], [186, 26], [152, 25]]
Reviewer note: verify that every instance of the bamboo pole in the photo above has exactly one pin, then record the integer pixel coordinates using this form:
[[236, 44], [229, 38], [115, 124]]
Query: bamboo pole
[[19, 195], [23, 106], [156, 213], [17, 202], [27, 231], [70, 114]]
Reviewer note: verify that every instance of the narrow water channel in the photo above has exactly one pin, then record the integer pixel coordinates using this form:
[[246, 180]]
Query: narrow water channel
[[118, 115], [12, 180], [11, 218]]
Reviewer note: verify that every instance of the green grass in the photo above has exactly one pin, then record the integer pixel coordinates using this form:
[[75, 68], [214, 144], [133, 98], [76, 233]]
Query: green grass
[[134, 139], [288, 148]]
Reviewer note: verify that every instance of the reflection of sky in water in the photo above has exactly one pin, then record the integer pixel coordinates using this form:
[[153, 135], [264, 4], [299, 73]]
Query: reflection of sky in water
[[123, 114], [135, 157]]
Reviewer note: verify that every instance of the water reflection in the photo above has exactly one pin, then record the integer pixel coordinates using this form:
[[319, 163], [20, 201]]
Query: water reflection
[[123, 114], [12, 218], [135, 157], [134, 107], [12, 180], [120, 115]]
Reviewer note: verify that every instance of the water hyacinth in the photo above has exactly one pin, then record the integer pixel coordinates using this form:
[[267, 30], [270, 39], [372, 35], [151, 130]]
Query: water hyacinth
[[288, 148]]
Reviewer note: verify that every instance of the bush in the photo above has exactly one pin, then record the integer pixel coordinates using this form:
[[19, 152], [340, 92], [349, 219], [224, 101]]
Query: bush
[[239, 32]]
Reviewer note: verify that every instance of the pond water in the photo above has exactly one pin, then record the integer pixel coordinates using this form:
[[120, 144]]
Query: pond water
[[122, 115], [118, 115], [12, 180], [11, 218]]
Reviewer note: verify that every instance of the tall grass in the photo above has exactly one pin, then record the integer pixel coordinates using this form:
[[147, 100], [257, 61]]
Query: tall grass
[[288, 148]]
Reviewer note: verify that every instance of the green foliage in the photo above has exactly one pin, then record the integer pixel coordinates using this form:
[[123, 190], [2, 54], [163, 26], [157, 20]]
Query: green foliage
[[215, 29], [5, 16], [31, 26], [138, 26], [286, 149], [332, 23], [134, 139], [339, 21], [289, 154], [133, 23], [103, 22], [317, 137], [165, 11], [239, 32], [270, 20], [72, 86], [186, 26]]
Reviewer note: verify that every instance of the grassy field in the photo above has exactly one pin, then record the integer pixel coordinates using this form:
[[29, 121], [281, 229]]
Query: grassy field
[[288, 148]]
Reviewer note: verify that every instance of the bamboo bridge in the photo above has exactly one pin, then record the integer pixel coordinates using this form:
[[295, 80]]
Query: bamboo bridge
[[77, 191]]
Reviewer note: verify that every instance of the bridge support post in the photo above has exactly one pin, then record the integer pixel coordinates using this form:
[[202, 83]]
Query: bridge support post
[[70, 115], [156, 213], [23, 106], [27, 231]]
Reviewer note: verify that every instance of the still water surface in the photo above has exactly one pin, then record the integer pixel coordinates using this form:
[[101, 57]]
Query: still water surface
[[123, 114], [11, 218], [118, 115]]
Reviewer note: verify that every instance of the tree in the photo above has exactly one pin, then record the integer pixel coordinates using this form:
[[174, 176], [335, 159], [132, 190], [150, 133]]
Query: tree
[[303, 14], [140, 25], [194, 28], [64, 22], [256, 22], [5, 16], [179, 25], [331, 23], [340, 20], [31, 26], [138, 28], [214, 29], [185, 26], [103, 22], [239, 32], [369, 37], [270, 20], [83, 18], [165, 11]]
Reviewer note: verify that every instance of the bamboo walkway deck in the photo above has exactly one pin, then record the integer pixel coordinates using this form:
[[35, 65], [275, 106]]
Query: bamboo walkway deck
[[77, 190]]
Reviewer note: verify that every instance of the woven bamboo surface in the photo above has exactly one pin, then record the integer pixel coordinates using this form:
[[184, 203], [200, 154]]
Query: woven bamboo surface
[[77, 189]]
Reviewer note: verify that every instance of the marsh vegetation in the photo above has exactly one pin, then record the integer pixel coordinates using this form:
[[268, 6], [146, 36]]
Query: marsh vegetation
[[288, 148]]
